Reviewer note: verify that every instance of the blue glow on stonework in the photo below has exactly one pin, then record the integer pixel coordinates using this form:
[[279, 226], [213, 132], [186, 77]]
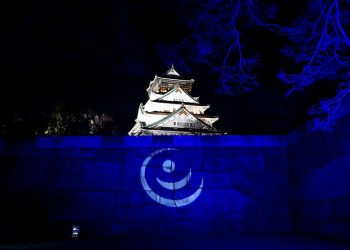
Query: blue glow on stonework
[[152, 141], [171, 186], [95, 181]]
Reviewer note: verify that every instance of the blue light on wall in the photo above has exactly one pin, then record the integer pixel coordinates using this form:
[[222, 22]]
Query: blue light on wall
[[190, 184], [214, 184]]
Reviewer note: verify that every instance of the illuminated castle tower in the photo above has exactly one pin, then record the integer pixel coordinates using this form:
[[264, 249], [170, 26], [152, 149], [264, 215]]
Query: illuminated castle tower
[[171, 110]]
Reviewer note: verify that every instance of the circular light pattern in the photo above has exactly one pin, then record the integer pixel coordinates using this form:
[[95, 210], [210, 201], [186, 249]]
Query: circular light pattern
[[168, 166], [177, 184]]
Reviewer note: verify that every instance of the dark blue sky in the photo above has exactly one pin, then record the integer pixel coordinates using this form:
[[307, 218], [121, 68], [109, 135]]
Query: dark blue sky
[[102, 55]]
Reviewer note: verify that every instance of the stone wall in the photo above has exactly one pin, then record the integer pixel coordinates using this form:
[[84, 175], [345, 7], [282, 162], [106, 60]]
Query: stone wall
[[251, 184], [50, 183], [319, 173]]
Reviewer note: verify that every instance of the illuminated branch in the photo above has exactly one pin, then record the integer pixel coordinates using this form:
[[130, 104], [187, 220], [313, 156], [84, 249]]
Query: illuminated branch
[[216, 41], [330, 109], [236, 78], [323, 55], [255, 8], [325, 60], [339, 23]]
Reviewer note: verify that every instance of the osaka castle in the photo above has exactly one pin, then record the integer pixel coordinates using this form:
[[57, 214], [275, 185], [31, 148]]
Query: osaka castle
[[171, 110]]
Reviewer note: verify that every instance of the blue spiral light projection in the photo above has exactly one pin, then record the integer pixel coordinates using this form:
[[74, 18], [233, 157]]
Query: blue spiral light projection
[[168, 166]]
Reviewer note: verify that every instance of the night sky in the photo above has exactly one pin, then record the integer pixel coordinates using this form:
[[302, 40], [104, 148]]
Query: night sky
[[103, 54]]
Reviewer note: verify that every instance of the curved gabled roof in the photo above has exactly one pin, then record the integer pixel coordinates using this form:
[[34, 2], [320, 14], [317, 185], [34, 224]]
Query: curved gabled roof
[[171, 72], [185, 111], [177, 89]]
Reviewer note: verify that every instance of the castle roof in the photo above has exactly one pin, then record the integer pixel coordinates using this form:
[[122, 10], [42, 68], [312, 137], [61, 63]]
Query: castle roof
[[171, 72], [175, 117], [177, 95]]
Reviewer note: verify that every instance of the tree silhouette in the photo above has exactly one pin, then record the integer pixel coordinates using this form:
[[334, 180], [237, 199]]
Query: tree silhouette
[[60, 121], [217, 41], [316, 47], [319, 43], [63, 121]]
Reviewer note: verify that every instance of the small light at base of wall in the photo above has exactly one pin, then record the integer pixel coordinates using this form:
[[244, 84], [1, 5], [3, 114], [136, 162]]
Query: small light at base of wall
[[75, 231]]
